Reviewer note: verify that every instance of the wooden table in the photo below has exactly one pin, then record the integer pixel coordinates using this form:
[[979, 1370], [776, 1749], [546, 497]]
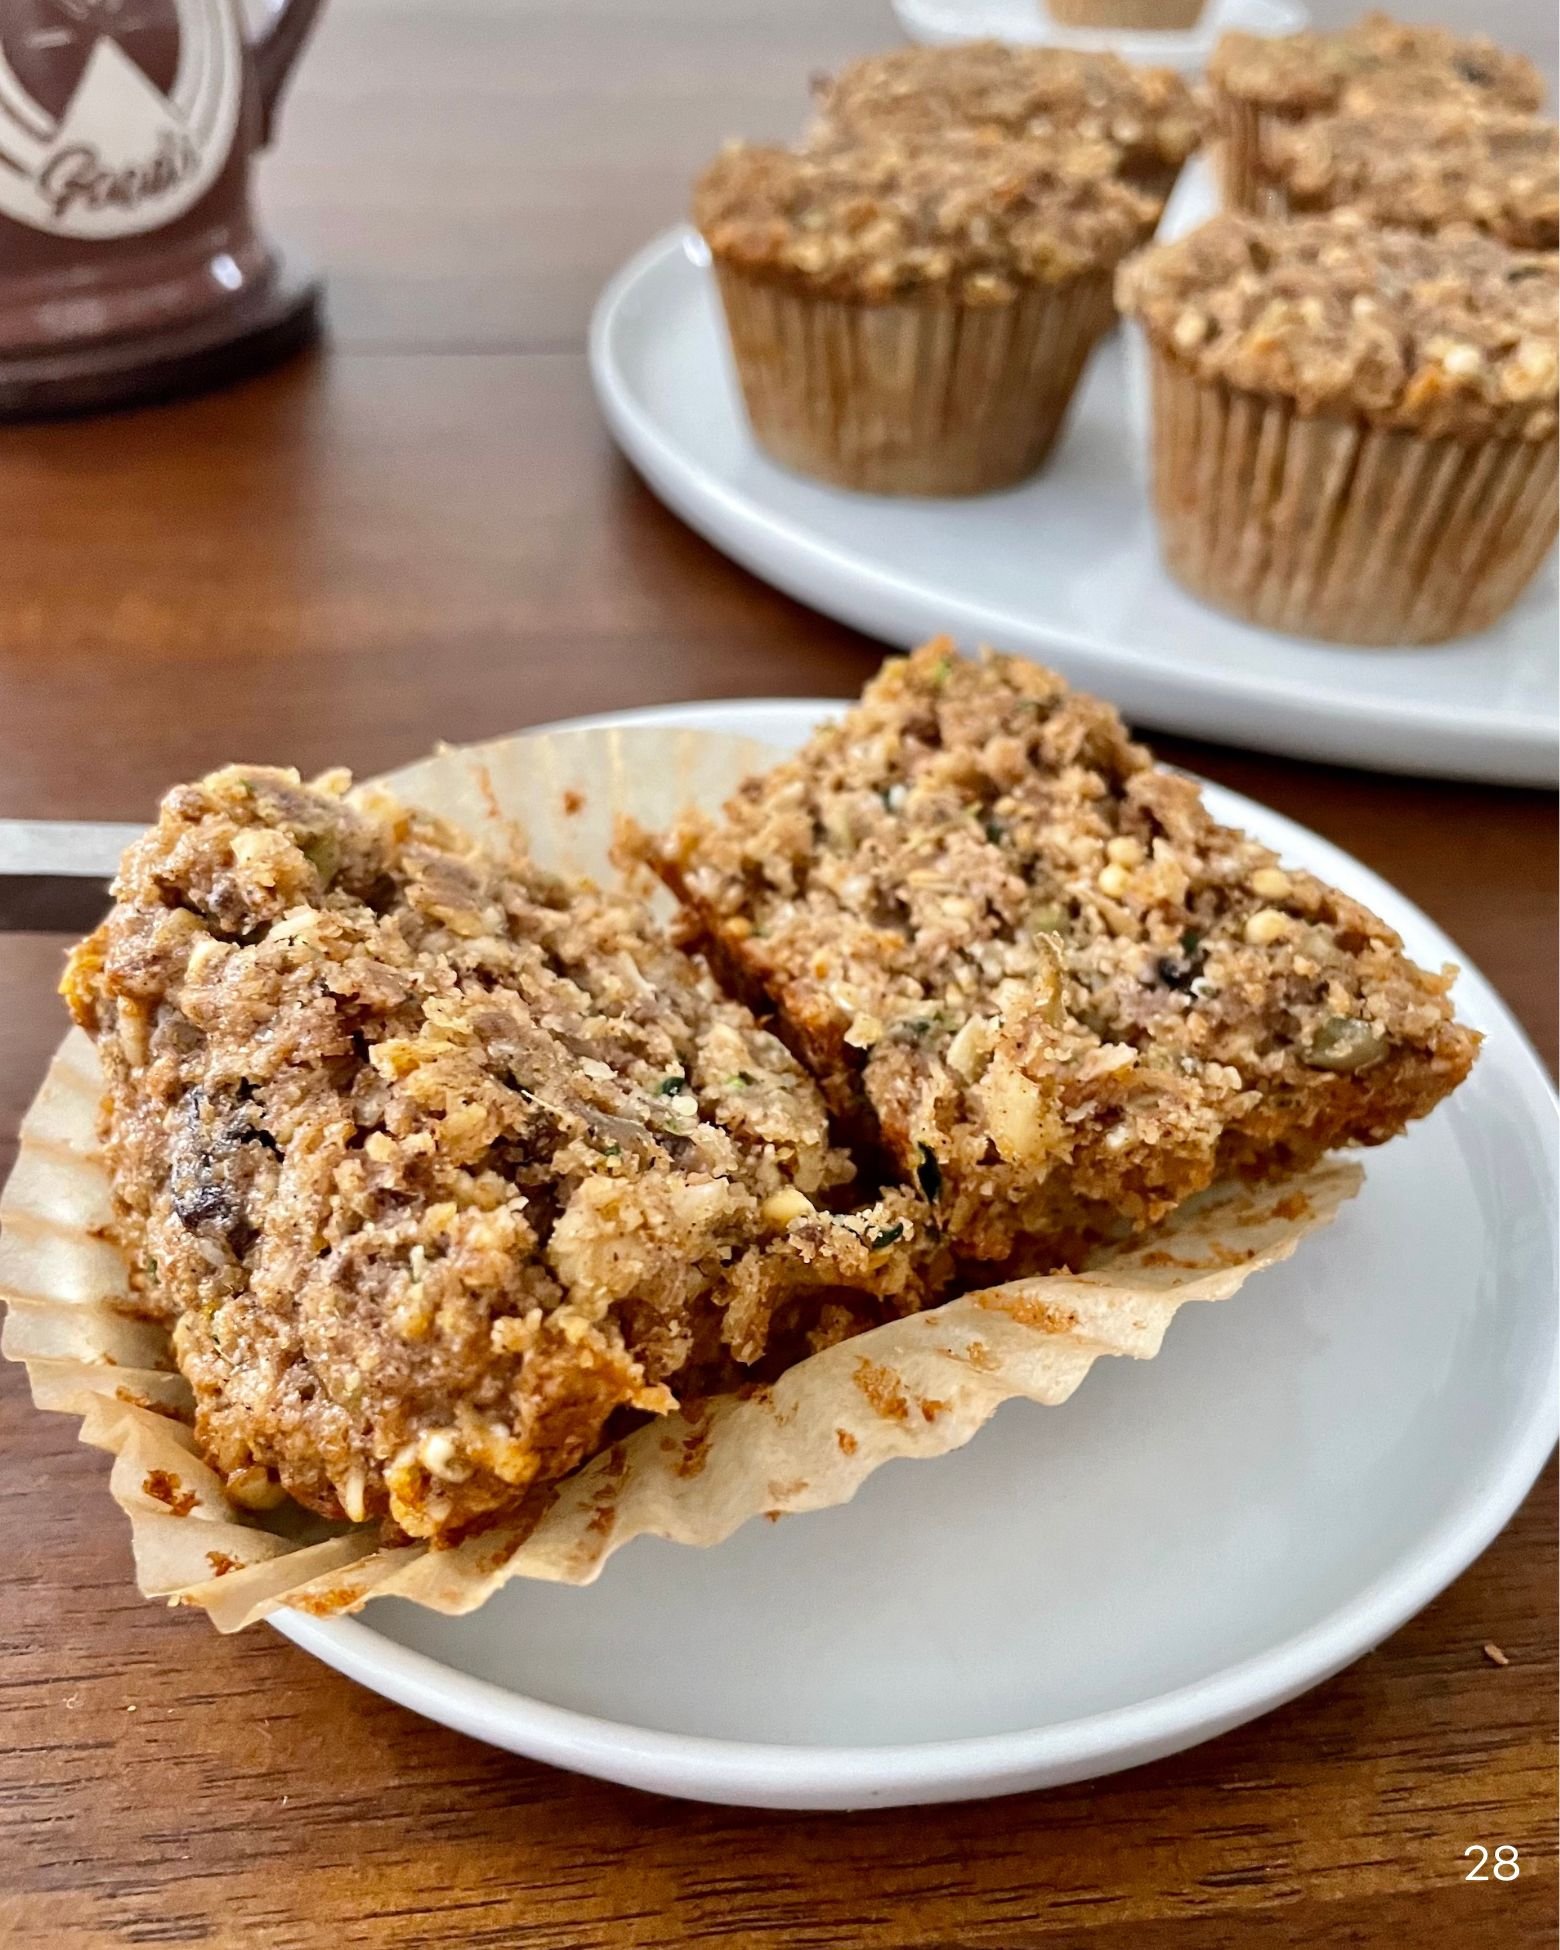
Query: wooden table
[[426, 534]]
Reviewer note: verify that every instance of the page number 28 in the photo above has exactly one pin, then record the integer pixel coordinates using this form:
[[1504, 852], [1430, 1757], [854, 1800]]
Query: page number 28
[[1502, 1864]]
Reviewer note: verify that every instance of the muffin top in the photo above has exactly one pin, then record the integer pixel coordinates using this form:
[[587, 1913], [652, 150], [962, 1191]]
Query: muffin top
[[966, 215], [1449, 335], [1427, 170], [1377, 59], [1149, 113]]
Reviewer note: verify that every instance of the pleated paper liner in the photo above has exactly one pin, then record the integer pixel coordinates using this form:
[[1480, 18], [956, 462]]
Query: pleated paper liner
[[915, 1387], [1336, 529], [1241, 135], [911, 397], [565, 791], [1146, 16]]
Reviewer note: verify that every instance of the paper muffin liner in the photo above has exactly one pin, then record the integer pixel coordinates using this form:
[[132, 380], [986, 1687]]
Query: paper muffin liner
[[1336, 529], [1242, 133], [1163, 16], [911, 397], [914, 1387]]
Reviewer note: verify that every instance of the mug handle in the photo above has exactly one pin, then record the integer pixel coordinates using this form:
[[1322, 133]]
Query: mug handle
[[276, 51]]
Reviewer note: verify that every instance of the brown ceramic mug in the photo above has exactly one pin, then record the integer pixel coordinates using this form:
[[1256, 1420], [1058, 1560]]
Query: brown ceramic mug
[[129, 257]]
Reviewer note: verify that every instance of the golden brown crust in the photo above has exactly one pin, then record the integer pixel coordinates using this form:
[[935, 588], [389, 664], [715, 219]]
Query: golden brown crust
[[1426, 170], [964, 215], [1375, 61], [1442, 335], [1149, 114], [1029, 964], [435, 1163]]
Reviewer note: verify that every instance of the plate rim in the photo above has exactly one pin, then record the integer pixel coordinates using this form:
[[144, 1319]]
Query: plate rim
[[1504, 746], [769, 1774]]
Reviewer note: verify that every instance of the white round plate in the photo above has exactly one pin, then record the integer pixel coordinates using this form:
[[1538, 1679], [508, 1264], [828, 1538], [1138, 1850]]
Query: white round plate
[[1027, 23], [1064, 568], [1186, 1543]]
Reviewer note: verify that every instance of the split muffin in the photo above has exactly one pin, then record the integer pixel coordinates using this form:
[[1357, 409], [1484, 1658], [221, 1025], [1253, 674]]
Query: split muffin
[[1148, 114], [1353, 429], [913, 318], [1036, 977], [438, 1166], [1258, 85], [1448, 169]]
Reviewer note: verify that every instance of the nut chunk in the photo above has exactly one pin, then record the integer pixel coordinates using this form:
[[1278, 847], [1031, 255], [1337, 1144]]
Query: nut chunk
[[433, 1162], [1028, 964]]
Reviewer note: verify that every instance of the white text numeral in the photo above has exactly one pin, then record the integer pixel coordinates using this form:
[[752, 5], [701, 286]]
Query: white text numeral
[[1504, 1866]]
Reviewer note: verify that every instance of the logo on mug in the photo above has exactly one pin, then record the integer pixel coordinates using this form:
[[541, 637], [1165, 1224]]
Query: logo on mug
[[115, 115]]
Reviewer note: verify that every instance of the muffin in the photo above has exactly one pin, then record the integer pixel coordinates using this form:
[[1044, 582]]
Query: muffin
[[1258, 84], [1030, 969], [1353, 429], [914, 318], [1151, 16], [1452, 168], [435, 1164], [1148, 113]]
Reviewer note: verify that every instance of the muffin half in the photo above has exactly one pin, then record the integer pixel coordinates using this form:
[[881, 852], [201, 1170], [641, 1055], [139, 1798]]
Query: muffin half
[[436, 1164], [1031, 970]]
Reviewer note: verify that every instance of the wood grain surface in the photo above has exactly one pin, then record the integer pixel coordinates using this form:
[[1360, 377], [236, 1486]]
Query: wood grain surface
[[424, 533]]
